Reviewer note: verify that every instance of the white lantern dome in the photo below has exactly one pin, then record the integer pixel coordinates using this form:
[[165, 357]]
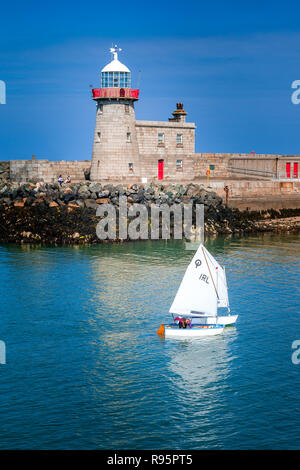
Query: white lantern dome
[[115, 74]]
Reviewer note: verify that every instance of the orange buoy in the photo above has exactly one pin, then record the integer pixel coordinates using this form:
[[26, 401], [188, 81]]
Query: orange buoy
[[161, 330]]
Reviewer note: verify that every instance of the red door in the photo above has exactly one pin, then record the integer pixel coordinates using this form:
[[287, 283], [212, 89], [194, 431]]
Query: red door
[[160, 169], [288, 169], [295, 172]]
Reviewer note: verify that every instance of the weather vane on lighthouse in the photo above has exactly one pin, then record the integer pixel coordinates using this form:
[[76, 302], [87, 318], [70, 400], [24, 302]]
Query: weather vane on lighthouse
[[114, 51]]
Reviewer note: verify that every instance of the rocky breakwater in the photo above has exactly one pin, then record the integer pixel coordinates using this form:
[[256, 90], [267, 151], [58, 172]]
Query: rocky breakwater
[[54, 214]]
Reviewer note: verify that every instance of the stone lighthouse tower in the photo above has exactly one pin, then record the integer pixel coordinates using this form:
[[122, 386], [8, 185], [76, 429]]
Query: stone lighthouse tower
[[115, 150]]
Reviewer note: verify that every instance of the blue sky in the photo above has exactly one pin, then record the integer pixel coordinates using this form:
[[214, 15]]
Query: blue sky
[[231, 63]]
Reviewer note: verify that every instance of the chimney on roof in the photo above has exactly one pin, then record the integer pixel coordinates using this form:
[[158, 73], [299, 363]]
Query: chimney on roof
[[179, 114]]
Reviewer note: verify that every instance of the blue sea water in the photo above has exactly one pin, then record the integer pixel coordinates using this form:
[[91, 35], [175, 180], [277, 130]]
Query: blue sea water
[[85, 369]]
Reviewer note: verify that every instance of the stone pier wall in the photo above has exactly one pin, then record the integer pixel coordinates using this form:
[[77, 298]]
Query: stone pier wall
[[44, 170], [256, 188], [4, 171], [189, 167], [241, 165], [260, 195]]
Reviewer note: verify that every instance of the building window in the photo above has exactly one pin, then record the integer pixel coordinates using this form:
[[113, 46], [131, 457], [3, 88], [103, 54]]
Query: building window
[[178, 164], [130, 167], [179, 139], [100, 108], [161, 138], [99, 136], [128, 137], [127, 108]]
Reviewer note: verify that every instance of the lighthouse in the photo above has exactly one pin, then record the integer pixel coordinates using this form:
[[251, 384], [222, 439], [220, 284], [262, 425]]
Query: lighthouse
[[115, 147]]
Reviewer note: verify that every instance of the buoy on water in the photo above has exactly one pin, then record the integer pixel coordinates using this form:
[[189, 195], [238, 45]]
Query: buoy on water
[[161, 330]]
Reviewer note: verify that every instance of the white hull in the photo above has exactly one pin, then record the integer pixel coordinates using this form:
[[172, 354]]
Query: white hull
[[175, 332]]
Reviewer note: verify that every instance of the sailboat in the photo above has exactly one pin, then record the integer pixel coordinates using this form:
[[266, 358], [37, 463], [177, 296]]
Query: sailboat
[[202, 297]]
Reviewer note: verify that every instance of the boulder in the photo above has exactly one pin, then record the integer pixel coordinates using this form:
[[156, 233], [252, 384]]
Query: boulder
[[67, 190], [90, 204], [19, 203], [105, 193], [68, 197], [3, 189], [80, 203], [104, 200], [95, 187], [83, 191], [109, 188], [73, 205]]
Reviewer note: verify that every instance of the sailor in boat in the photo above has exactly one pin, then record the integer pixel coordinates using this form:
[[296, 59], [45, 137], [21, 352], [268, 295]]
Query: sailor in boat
[[183, 322]]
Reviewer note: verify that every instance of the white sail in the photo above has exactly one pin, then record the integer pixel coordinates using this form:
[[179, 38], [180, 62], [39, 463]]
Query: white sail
[[203, 288], [219, 275], [223, 290], [197, 291]]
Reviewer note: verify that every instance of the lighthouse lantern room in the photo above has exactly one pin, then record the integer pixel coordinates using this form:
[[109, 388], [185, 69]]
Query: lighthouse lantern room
[[115, 74], [115, 80]]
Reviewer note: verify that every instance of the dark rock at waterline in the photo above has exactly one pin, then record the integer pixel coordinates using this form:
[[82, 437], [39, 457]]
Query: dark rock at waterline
[[68, 197], [50, 213]]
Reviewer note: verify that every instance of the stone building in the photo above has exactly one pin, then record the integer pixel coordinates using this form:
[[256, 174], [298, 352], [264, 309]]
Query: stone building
[[125, 148]]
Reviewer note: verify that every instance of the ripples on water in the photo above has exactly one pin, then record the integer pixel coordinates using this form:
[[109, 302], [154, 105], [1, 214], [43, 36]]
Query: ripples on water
[[85, 368]]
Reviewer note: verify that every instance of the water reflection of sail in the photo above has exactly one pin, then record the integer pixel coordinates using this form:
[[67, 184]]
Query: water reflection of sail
[[200, 370], [201, 367]]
